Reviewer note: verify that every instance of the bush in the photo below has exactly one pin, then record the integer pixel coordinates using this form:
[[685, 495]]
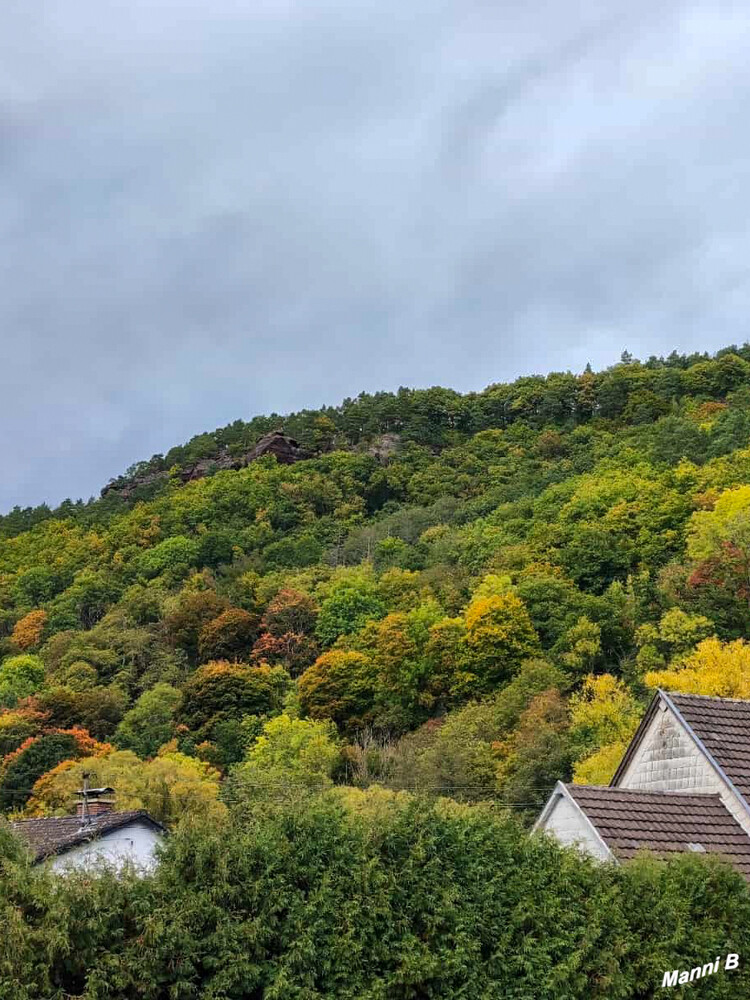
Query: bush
[[369, 895]]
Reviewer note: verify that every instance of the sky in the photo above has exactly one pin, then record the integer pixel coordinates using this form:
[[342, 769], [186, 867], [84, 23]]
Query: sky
[[218, 209]]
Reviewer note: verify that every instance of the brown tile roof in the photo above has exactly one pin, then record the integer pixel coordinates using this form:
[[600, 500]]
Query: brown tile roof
[[664, 822], [723, 726], [57, 834]]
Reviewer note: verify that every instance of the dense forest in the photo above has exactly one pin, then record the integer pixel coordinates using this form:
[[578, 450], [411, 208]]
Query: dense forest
[[387, 649]]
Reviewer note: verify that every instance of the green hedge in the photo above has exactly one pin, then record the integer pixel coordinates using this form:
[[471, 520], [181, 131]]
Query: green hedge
[[370, 897]]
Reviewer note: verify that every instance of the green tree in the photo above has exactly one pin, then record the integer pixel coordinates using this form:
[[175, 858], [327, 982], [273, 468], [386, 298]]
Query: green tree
[[20, 676], [150, 723], [289, 756], [349, 605], [222, 690], [340, 686]]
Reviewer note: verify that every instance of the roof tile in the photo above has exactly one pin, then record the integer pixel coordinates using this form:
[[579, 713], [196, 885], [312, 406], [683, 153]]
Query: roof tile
[[664, 822], [56, 834]]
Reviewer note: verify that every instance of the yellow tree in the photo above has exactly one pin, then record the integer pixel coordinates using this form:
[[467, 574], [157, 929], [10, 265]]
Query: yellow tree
[[169, 787], [715, 668], [603, 717], [499, 635]]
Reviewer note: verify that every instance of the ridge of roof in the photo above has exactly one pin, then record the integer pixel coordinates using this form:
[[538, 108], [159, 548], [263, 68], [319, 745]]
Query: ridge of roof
[[655, 792]]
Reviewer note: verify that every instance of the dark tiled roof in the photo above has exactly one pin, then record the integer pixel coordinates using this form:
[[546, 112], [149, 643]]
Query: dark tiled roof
[[663, 822], [723, 726], [57, 834]]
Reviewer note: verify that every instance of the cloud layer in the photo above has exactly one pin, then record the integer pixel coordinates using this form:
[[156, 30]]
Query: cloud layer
[[214, 210]]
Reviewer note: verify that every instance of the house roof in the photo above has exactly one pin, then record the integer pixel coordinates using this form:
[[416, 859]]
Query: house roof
[[720, 726], [664, 822], [58, 834], [723, 727]]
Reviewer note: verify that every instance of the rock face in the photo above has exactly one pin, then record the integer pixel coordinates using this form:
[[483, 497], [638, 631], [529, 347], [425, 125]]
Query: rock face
[[284, 448], [384, 447]]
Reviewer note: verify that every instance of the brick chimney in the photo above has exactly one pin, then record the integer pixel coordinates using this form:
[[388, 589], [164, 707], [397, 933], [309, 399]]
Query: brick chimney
[[93, 801]]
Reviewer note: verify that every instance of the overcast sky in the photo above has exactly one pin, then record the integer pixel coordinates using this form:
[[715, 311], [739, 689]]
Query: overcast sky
[[211, 210]]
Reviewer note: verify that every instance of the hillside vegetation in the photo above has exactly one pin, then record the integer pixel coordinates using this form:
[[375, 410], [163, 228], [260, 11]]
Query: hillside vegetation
[[347, 684], [469, 595]]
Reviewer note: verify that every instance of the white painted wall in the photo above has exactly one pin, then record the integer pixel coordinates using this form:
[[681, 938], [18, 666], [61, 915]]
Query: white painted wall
[[134, 844], [667, 760], [567, 824]]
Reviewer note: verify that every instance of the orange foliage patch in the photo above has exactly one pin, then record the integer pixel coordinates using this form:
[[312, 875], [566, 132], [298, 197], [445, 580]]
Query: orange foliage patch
[[27, 632]]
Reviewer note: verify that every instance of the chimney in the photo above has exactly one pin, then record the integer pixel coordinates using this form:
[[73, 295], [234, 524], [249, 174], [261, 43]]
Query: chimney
[[93, 801]]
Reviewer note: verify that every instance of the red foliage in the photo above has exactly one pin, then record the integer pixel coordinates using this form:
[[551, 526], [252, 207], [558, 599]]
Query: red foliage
[[292, 649]]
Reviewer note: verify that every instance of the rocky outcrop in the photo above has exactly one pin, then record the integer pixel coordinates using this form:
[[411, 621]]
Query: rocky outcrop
[[384, 447], [284, 448], [125, 487]]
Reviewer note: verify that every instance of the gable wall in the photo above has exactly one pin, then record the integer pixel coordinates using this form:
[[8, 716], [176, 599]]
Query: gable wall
[[568, 825], [135, 843], [667, 760]]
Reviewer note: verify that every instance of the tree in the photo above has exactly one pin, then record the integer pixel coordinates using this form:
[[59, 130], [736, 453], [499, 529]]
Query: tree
[[676, 633], [397, 645], [538, 755], [456, 755], [580, 646], [500, 636], [174, 557], [185, 620], [20, 676], [170, 787], [290, 611], [290, 755], [294, 651], [28, 631], [340, 686], [230, 636], [98, 709], [18, 725], [150, 722], [719, 543], [37, 755], [603, 717], [349, 605], [222, 690], [715, 668]]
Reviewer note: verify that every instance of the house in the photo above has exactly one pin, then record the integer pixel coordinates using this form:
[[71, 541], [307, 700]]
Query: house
[[682, 785], [95, 834]]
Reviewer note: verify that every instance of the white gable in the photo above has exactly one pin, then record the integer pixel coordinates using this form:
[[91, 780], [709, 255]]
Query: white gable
[[566, 821], [134, 843], [668, 759]]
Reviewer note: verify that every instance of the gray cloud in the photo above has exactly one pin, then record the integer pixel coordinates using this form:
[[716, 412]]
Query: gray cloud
[[210, 211]]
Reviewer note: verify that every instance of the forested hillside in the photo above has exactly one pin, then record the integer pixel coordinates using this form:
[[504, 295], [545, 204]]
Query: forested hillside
[[348, 679], [470, 595]]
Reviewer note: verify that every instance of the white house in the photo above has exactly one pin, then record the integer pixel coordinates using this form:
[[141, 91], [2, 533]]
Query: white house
[[682, 785], [97, 834]]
